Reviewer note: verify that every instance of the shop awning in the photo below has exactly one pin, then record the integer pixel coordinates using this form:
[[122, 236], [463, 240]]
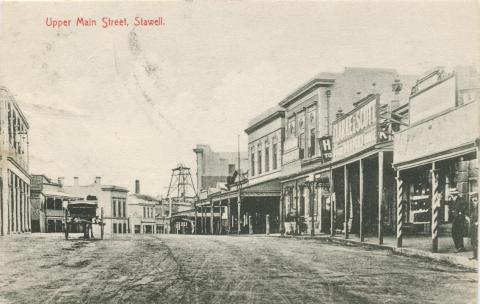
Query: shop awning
[[59, 194], [264, 189]]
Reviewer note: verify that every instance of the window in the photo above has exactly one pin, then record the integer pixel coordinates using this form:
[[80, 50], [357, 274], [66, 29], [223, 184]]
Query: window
[[267, 157], [114, 227], [125, 228], [274, 156], [312, 142], [301, 146], [58, 204], [144, 212], [124, 208], [51, 226], [259, 159], [302, 202], [252, 159], [120, 208], [137, 228], [50, 203], [119, 228], [114, 208]]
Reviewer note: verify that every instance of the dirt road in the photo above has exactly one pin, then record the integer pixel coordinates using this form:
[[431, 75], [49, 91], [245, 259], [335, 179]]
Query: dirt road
[[218, 269]]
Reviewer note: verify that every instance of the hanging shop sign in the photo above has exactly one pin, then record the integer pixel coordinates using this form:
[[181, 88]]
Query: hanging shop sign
[[326, 148], [357, 130]]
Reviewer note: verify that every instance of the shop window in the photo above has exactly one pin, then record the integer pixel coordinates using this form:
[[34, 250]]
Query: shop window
[[137, 228], [274, 156], [114, 227], [302, 203], [50, 203]]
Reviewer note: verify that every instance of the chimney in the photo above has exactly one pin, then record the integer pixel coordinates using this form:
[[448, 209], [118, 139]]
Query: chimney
[[339, 114], [60, 181], [396, 88], [358, 96], [137, 186], [98, 180], [75, 181]]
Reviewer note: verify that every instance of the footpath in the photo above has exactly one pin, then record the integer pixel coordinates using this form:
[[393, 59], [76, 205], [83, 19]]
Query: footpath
[[415, 247]]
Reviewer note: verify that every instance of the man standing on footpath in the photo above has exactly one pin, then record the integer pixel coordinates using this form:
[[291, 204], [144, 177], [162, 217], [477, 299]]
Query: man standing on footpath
[[474, 224], [459, 207]]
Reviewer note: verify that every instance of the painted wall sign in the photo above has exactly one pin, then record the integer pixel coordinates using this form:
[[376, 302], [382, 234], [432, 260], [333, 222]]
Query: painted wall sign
[[356, 131], [434, 100], [440, 134]]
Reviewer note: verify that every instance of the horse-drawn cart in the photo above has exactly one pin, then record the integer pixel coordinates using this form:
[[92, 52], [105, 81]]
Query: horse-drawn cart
[[84, 213]]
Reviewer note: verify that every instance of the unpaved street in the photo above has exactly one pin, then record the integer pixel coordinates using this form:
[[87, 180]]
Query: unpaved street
[[218, 269]]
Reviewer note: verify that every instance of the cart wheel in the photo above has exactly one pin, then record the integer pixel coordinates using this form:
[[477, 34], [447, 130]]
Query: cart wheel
[[66, 231]]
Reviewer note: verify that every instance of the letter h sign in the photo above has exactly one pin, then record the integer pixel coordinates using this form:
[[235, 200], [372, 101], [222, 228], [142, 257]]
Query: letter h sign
[[326, 147]]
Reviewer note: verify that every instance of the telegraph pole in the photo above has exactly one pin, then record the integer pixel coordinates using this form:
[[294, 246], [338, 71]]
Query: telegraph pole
[[239, 185]]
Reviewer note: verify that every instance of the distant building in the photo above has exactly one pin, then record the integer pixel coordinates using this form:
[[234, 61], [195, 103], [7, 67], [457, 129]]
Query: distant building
[[47, 199], [215, 167], [15, 216], [113, 200], [146, 213]]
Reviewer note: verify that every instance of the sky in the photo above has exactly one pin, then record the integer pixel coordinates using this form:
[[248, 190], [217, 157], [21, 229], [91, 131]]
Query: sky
[[131, 102]]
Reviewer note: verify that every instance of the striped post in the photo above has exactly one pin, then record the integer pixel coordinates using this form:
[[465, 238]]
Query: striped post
[[435, 208], [332, 207], [399, 209]]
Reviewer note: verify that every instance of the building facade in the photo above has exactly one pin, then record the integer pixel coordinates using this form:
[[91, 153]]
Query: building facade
[[15, 208], [444, 121], [47, 199], [214, 167], [307, 179], [112, 199], [146, 213]]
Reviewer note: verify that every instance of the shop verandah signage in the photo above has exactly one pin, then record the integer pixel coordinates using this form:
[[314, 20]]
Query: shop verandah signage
[[357, 130]]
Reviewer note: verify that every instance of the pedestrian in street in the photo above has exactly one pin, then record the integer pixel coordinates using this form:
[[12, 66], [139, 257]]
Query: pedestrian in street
[[474, 225], [459, 206]]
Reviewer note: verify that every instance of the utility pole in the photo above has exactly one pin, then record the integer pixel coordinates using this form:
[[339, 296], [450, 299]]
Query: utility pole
[[239, 185]]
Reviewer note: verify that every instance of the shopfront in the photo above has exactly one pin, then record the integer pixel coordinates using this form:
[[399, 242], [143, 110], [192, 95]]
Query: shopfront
[[363, 179], [433, 158]]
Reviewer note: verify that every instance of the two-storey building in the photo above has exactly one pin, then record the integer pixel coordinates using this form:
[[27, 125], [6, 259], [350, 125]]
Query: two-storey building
[[307, 177], [145, 212], [47, 198], [15, 215], [112, 199]]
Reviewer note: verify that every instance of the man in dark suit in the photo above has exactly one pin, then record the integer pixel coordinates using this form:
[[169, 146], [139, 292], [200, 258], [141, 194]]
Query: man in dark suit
[[474, 224], [459, 207]]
